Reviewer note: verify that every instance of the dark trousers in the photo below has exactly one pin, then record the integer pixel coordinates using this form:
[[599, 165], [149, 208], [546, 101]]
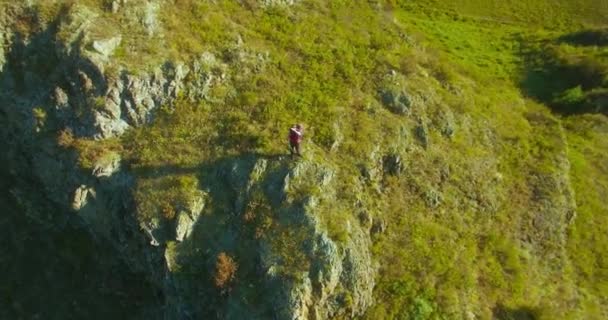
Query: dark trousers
[[294, 148]]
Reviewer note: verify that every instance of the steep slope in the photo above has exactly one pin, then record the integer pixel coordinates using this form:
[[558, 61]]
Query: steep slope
[[432, 186]]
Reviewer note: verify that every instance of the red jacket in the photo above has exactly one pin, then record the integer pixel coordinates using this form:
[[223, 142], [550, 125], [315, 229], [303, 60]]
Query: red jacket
[[295, 135]]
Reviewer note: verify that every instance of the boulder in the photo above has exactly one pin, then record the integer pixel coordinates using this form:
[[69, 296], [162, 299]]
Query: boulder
[[392, 164], [106, 47], [81, 197], [422, 134], [186, 218], [61, 99], [379, 227], [446, 122], [107, 165], [117, 5], [184, 226], [149, 17], [396, 100]]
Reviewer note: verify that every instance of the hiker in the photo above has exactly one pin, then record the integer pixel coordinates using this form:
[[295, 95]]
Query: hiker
[[295, 139]]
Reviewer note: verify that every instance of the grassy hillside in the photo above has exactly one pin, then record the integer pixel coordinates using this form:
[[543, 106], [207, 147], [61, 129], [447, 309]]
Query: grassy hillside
[[328, 61], [538, 13], [498, 209]]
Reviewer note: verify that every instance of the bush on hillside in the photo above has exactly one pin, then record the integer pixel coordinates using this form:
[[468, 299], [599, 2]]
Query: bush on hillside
[[225, 271], [570, 99], [597, 37]]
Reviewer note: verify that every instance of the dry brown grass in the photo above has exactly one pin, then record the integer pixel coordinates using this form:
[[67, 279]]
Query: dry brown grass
[[225, 271]]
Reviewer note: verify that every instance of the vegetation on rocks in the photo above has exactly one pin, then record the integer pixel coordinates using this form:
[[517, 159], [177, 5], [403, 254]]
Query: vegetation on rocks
[[454, 160]]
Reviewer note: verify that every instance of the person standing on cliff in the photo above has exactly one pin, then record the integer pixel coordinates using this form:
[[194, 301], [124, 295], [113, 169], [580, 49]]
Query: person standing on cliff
[[295, 140]]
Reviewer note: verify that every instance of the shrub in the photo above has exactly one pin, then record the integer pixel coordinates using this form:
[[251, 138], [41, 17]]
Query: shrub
[[168, 211], [65, 138], [164, 196], [40, 116], [225, 271], [570, 99], [598, 37]]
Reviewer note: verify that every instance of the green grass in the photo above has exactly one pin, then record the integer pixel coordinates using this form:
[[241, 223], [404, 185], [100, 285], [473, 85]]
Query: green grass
[[587, 245], [536, 14]]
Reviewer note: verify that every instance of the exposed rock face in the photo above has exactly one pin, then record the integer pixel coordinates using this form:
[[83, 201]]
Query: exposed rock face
[[81, 197], [149, 17], [397, 101], [106, 47], [422, 134], [335, 276], [340, 279], [107, 166], [131, 100], [392, 164], [278, 2], [188, 217], [2, 45]]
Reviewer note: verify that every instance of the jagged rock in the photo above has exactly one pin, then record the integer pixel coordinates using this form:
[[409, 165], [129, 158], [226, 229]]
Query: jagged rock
[[317, 294], [171, 258], [108, 127], [298, 300], [598, 102], [149, 17], [107, 46], [187, 218], [445, 122], [117, 5], [378, 227], [371, 170], [184, 226], [204, 78], [338, 138], [86, 83], [358, 276], [421, 133], [107, 166], [334, 266], [396, 100], [131, 100], [392, 164], [268, 3], [366, 219], [73, 28], [81, 197], [3, 41], [61, 99], [152, 229]]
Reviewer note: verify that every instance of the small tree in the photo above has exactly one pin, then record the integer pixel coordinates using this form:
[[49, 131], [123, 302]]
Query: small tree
[[570, 100], [225, 271]]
